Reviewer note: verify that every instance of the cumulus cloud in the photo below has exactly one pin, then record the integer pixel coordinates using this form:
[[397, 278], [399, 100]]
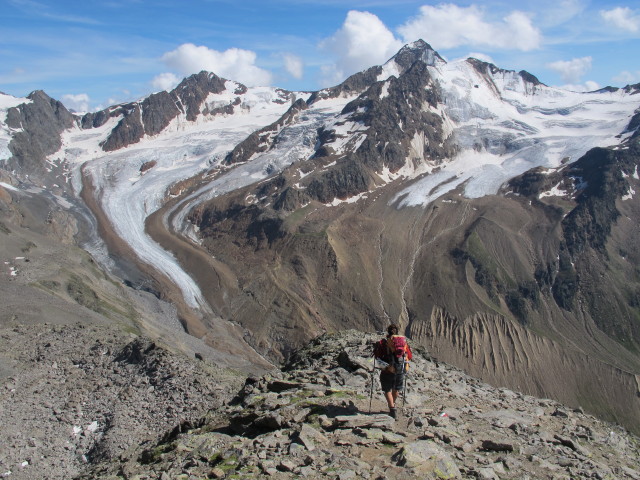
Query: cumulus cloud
[[77, 103], [571, 71], [234, 63], [588, 86], [449, 26], [293, 65], [165, 81], [481, 56], [627, 78], [623, 18], [361, 42]]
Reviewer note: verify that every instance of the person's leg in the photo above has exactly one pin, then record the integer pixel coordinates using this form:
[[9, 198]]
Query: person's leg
[[391, 400], [386, 381]]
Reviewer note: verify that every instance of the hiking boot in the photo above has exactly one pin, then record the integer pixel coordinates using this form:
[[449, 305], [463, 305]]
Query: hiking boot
[[393, 412]]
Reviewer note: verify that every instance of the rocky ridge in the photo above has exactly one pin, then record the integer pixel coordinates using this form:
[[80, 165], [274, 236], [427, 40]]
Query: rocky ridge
[[314, 419]]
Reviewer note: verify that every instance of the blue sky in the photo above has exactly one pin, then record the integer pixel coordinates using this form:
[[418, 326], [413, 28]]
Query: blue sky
[[91, 54]]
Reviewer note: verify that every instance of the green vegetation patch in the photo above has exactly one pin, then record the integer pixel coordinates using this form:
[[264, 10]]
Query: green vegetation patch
[[84, 295], [154, 455]]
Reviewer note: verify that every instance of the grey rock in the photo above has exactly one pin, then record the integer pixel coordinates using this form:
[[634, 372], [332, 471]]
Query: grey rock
[[322, 441], [574, 445], [39, 125], [487, 473], [425, 457], [364, 421], [286, 466], [310, 437]]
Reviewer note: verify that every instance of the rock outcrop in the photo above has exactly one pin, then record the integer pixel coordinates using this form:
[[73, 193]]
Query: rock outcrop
[[154, 113]]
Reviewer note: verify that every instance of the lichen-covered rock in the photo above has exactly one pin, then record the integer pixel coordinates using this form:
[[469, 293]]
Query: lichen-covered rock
[[425, 457]]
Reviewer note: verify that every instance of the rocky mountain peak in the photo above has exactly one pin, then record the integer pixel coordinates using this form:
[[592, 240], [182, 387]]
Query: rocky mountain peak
[[418, 50], [193, 91], [38, 126], [323, 416]]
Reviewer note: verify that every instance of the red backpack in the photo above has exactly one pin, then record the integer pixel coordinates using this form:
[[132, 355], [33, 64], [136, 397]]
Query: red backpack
[[398, 347], [394, 351]]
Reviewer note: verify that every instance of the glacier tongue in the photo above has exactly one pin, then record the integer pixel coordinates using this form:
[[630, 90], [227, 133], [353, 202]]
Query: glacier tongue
[[183, 150], [127, 196]]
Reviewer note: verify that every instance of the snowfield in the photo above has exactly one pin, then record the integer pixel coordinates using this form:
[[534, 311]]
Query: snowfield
[[506, 126]]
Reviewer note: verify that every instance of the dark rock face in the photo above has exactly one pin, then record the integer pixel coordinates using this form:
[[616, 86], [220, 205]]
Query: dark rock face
[[486, 68], [600, 170], [393, 120], [193, 91], [128, 131], [597, 181], [41, 121], [343, 181], [156, 111], [261, 228], [97, 119], [356, 83], [418, 50]]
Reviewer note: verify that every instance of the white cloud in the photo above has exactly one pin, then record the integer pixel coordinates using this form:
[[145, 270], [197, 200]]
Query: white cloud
[[293, 65], [481, 56], [165, 81], [623, 18], [233, 64], [449, 26], [556, 12], [627, 78], [588, 86], [361, 42], [78, 103], [571, 70]]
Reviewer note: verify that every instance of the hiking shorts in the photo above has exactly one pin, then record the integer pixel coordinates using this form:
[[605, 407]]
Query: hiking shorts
[[392, 381]]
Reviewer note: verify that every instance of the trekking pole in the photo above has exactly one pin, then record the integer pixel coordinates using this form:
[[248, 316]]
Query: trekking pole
[[404, 383], [373, 371]]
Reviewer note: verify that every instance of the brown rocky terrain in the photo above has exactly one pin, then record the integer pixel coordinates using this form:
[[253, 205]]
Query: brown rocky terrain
[[317, 419], [72, 394]]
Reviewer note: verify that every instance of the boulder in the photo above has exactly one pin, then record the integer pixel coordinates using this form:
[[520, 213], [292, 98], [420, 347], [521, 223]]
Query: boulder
[[425, 457]]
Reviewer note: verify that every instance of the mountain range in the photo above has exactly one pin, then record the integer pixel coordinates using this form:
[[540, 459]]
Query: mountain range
[[494, 218]]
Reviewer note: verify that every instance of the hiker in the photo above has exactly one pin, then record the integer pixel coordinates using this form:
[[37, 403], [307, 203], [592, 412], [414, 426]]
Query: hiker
[[393, 350]]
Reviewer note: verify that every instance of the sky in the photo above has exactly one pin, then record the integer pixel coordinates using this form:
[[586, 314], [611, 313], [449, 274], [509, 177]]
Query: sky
[[91, 54]]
